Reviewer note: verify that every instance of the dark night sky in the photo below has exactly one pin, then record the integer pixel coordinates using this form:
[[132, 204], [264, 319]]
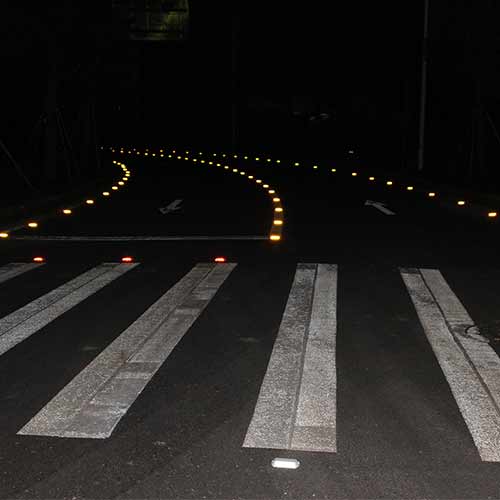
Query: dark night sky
[[359, 58]]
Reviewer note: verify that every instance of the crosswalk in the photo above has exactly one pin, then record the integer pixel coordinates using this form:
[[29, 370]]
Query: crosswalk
[[296, 407]]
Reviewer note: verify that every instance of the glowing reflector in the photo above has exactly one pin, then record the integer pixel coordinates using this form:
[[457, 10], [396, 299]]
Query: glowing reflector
[[271, 191], [461, 202], [66, 211], [285, 463], [409, 188], [127, 259], [265, 186], [389, 183], [278, 209], [33, 224], [38, 259], [371, 178], [4, 235], [492, 214], [277, 222], [250, 176], [121, 183], [114, 188], [89, 202], [354, 174], [334, 169], [276, 199], [220, 259], [105, 193], [431, 195], [275, 237]]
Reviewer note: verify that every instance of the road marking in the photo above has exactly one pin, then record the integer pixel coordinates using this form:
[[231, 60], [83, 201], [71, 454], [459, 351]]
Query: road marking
[[14, 269], [171, 208], [470, 366], [379, 206], [93, 403], [296, 408], [138, 238], [24, 322]]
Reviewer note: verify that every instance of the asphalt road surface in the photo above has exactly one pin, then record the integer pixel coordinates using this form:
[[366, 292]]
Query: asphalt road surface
[[363, 345]]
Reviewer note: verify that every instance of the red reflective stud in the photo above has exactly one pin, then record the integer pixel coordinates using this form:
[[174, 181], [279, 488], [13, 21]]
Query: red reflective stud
[[38, 259], [220, 259], [127, 259]]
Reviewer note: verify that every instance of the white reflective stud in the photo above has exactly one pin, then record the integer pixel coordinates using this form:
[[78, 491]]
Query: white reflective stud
[[285, 463]]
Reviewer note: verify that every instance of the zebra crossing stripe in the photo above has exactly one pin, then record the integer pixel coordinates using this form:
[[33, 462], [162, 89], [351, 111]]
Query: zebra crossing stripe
[[24, 322], [93, 403], [296, 408], [469, 364], [15, 269]]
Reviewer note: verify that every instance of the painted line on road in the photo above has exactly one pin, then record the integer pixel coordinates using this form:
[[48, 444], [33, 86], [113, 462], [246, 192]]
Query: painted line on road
[[296, 407], [24, 322], [137, 238], [14, 269], [470, 366], [94, 402], [379, 206]]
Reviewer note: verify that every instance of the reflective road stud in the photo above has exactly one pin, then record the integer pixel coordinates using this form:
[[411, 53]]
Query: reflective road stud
[[285, 463]]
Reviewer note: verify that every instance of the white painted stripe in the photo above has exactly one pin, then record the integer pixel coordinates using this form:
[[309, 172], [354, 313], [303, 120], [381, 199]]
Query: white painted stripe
[[379, 206], [296, 408], [14, 269], [93, 403], [471, 393], [138, 238], [315, 424], [31, 318], [466, 333]]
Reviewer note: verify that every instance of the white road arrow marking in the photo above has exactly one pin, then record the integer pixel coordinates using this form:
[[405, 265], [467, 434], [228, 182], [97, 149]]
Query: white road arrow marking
[[171, 208], [379, 206]]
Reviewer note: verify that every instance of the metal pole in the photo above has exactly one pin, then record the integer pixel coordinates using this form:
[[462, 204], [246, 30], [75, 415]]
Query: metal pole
[[423, 89], [234, 80]]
